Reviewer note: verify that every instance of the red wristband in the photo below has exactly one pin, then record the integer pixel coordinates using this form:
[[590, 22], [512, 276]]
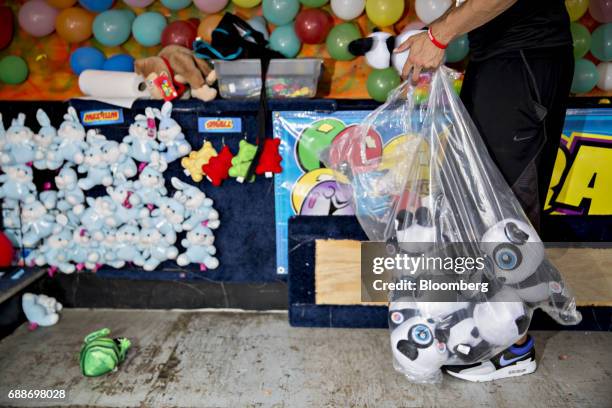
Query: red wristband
[[434, 41]]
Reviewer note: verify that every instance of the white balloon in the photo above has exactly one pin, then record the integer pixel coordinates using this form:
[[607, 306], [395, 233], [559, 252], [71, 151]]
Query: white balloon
[[348, 9], [398, 60], [431, 10], [379, 56], [605, 76]]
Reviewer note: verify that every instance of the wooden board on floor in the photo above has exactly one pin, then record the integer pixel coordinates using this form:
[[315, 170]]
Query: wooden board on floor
[[337, 273]]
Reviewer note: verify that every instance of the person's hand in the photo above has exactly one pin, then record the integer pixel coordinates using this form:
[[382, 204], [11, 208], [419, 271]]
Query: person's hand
[[423, 55]]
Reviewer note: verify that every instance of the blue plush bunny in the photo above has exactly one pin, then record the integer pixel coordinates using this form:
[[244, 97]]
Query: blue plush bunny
[[140, 143], [71, 139], [94, 163], [167, 218], [199, 248], [18, 146], [47, 144], [70, 197], [37, 223], [128, 205], [155, 250], [55, 252], [127, 243], [198, 208], [173, 143], [150, 185], [121, 165], [16, 184]]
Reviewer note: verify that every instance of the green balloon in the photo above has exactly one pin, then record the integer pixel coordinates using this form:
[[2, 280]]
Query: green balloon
[[585, 76], [338, 40], [458, 49], [314, 3], [581, 38], [314, 140], [601, 42], [13, 70], [381, 82]]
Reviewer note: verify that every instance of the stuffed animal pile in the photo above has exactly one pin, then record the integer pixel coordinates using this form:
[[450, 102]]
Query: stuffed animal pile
[[136, 222]]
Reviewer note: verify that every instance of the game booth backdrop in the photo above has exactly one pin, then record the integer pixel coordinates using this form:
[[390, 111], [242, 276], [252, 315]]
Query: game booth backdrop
[[265, 229]]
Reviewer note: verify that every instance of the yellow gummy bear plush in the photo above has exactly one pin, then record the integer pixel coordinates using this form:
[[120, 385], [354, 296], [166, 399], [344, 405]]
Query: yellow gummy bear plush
[[196, 159]]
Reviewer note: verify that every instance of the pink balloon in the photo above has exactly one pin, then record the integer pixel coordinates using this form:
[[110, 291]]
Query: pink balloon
[[601, 10], [210, 6], [37, 18], [414, 25], [138, 3]]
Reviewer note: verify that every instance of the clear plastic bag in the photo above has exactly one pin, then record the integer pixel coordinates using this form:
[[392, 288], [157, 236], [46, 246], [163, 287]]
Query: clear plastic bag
[[439, 194]]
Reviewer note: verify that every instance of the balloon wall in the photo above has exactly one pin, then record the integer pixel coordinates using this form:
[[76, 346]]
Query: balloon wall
[[45, 44]]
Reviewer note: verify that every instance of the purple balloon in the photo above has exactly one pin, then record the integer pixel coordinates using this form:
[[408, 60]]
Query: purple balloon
[[37, 18], [328, 198], [601, 10], [138, 3], [210, 6]]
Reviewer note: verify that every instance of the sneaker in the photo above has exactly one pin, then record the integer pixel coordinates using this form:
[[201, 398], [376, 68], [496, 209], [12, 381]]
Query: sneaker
[[512, 362]]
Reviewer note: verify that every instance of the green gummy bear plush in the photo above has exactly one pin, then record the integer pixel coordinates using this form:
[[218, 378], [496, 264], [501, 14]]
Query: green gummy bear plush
[[242, 161], [101, 354]]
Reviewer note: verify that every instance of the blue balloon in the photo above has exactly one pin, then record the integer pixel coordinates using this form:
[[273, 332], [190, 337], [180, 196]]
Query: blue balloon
[[86, 58], [284, 40], [120, 62], [112, 27], [176, 4], [458, 49], [96, 5], [280, 12], [148, 27]]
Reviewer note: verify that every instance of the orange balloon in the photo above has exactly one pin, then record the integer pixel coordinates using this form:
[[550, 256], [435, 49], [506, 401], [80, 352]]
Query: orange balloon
[[61, 4], [74, 24], [208, 24]]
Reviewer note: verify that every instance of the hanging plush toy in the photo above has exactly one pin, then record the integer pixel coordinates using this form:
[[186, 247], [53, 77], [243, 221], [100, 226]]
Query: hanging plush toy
[[242, 161], [196, 159], [269, 161], [217, 169], [100, 354], [7, 252]]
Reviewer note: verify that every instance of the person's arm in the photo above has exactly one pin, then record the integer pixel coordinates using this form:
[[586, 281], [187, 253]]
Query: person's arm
[[455, 22]]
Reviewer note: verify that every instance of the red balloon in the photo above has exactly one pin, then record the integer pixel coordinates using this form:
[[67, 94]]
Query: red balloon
[[588, 21], [195, 22], [179, 33], [6, 26], [312, 25]]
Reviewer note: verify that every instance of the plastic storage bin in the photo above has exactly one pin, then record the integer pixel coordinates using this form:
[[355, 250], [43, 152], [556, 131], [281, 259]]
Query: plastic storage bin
[[286, 78]]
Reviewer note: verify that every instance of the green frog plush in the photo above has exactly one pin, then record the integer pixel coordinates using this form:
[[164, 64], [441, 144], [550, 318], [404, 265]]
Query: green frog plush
[[101, 354]]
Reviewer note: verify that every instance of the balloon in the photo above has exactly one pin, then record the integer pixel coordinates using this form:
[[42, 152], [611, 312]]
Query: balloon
[[384, 12], [314, 3], [588, 21], [430, 10], [37, 18], [13, 70], [61, 4], [585, 76], [86, 58], [601, 42], [576, 8], [604, 71], [130, 15], [381, 82], [313, 25], [284, 40], [148, 27], [208, 24], [138, 3], [6, 26], [176, 4], [210, 6], [280, 12], [338, 40], [74, 24], [96, 6], [458, 49], [112, 27], [246, 3], [258, 23], [581, 38], [601, 10], [179, 32], [348, 9], [119, 62]]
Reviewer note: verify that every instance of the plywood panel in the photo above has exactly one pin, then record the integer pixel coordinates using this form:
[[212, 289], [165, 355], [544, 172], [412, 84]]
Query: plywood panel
[[337, 275]]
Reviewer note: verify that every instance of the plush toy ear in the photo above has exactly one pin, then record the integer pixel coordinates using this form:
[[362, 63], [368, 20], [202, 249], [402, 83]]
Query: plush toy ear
[[150, 113], [43, 118], [140, 117], [360, 46], [21, 119], [72, 114], [166, 109], [157, 113], [176, 183]]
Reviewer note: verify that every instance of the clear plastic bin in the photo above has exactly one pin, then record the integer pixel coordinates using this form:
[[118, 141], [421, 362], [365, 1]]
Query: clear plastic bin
[[286, 78]]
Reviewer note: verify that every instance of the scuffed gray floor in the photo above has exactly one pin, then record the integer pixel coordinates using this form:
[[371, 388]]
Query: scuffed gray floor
[[214, 359]]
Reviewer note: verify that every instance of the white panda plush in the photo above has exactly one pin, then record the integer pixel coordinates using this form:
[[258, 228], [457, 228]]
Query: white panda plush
[[378, 49], [503, 319], [515, 249], [415, 233], [416, 351]]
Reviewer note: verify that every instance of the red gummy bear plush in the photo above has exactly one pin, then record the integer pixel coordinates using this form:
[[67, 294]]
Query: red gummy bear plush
[[7, 252], [269, 161], [217, 168]]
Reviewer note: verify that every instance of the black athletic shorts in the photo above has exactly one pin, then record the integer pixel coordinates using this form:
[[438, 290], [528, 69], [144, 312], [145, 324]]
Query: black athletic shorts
[[518, 102]]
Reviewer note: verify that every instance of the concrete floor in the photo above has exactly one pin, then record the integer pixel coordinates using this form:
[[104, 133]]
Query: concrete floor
[[227, 359]]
